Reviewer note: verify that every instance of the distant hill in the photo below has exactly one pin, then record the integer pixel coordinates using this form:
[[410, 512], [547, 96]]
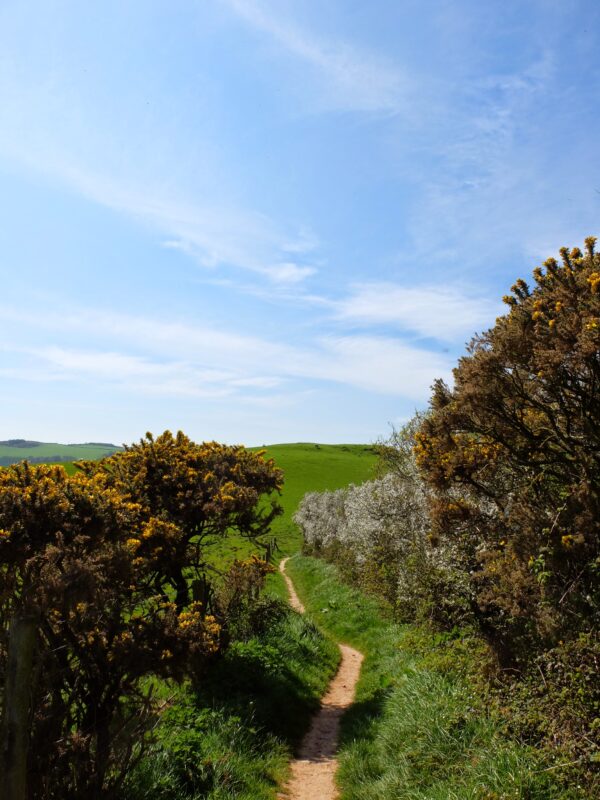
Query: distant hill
[[14, 450], [20, 443]]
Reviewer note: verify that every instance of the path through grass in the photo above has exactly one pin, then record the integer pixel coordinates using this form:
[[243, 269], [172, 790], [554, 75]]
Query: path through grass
[[417, 730]]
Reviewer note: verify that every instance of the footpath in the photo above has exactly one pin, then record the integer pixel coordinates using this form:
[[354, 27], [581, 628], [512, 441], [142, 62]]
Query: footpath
[[313, 771]]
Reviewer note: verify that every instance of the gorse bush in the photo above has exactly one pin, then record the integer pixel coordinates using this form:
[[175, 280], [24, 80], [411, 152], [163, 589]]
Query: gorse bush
[[100, 589], [512, 456], [205, 490]]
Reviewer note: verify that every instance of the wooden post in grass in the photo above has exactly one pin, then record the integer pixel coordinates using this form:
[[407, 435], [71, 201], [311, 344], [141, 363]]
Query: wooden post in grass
[[14, 740]]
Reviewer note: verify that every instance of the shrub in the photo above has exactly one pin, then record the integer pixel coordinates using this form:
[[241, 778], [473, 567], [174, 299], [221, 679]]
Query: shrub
[[378, 533], [206, 490], [102, 585], [512, 454]]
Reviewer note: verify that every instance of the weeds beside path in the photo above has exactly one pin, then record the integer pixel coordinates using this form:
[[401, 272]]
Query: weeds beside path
[[313, 772], [418, 729]]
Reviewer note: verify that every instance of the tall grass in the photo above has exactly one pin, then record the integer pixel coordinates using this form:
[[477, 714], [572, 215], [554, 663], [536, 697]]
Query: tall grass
[[233, 736], [418, 729]]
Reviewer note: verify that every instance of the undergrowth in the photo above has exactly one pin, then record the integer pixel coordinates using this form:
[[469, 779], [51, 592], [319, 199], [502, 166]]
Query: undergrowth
[[418, 729], [234, 735]]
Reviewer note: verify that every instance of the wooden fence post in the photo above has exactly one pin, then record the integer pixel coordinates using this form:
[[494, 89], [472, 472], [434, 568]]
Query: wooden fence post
[[14, 739]]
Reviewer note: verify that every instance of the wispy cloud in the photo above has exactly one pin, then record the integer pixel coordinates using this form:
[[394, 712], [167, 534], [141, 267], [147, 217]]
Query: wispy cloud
[[353, 79], [493, 188], [175, 359], [215, 236], [440, 312]]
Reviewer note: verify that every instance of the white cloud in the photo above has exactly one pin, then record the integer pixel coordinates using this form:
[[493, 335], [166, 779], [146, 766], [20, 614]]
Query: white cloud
[[198, 219], [191, 360], [133, 373], [441, 312], [354, 80], [381, 364]]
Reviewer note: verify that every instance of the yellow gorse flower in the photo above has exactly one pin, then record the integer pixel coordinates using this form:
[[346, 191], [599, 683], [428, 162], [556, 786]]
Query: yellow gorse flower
[[133, 544], [594, 281]]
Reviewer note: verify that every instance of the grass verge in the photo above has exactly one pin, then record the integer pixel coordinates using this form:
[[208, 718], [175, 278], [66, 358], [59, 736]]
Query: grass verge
[[234, 736], [418, 729]]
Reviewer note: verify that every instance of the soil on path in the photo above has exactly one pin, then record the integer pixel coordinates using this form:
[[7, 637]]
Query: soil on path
[[313, 772]]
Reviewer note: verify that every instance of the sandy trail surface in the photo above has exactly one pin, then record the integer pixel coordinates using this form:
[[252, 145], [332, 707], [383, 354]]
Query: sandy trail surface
[[313, 772]]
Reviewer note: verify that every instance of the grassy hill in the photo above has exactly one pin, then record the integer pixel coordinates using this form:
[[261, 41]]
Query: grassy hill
[[15, 450], [307, 468]]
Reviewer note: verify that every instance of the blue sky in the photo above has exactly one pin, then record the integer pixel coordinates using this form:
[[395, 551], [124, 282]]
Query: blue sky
[[266, 220]]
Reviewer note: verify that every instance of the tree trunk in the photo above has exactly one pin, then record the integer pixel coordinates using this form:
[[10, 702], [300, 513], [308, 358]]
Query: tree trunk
[[14, 740], [182, 592]]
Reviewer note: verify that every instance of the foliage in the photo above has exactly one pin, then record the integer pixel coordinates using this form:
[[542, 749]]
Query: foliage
[[240, 603], [206, 490], [558, 701], [512, 457], [512, 453], [69, 556], [92, 559], [418, 729]]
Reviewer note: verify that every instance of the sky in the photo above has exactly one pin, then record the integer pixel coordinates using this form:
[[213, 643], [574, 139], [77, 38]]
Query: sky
[[263, 221]]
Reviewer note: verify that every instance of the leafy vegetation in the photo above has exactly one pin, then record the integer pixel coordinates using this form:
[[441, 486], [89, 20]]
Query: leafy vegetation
[[418, 729], [93, 600], [512, 458], [488, 512]]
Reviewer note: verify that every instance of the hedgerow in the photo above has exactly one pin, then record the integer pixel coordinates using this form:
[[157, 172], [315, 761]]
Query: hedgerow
[[503, 472]]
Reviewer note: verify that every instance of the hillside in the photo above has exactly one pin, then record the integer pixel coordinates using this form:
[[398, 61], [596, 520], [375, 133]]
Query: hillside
[[307, 467], [14, 450]]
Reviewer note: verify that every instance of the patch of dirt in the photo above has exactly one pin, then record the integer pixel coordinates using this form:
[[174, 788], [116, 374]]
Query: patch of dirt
[[313, 772]]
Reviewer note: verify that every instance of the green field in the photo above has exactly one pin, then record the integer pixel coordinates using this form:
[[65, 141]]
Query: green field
[[44, 452], [307, 468]]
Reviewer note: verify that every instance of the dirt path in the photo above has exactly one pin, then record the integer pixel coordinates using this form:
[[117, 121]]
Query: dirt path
[[314, 770]]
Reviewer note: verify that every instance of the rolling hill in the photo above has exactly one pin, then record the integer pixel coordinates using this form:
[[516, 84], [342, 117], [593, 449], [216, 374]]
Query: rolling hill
[[14, 450]]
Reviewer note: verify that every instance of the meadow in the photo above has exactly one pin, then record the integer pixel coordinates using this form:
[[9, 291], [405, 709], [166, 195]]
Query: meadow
[[307, 467], [48, 452]]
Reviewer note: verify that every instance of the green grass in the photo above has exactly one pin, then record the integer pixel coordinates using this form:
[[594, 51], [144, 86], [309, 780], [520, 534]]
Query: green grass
[[234, 737], [49, 452], [307, 468], [418, 730]]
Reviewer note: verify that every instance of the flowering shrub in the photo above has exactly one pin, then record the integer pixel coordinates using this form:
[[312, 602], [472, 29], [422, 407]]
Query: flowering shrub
[[97, 593], [512, 456], [204, 490], [379, 534]]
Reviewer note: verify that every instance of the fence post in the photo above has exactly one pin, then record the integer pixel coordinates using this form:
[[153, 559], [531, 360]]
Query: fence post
[[14, 740]]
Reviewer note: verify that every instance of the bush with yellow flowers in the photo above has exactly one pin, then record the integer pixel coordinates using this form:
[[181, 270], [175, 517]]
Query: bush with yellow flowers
[[206, 490], [92, 602], [516, 443], [511, 454]]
